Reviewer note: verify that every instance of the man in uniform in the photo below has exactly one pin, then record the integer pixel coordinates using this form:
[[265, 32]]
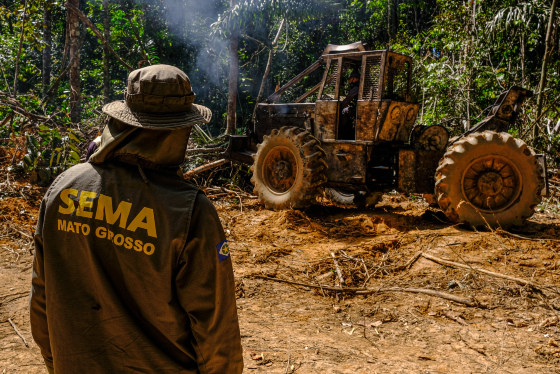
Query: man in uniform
[[132, 272]]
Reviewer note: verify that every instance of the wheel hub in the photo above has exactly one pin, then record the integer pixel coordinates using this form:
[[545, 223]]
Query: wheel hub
[[280, 169], [491, 183]]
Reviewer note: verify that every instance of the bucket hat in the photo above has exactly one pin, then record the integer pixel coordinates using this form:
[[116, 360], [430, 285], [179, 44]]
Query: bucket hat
[[158, 97]]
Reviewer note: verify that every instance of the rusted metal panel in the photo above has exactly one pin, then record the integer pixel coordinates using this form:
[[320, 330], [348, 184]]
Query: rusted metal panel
[[326, 117], [417, 169], [407, 171], [366, 119], [347, 162], [397, 119]]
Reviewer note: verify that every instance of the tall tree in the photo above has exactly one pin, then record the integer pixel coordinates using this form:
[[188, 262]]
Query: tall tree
[[47, 50], [232, 77], [22, 33], [106, 52], [546, 57], [268, 64], [73, 26]]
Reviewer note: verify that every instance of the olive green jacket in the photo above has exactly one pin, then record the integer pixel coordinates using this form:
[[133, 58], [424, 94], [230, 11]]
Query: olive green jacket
[[132, 275]]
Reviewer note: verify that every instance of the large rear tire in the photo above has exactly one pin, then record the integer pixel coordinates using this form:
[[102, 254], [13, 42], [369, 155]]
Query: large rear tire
[[288, 169], [489, 179]]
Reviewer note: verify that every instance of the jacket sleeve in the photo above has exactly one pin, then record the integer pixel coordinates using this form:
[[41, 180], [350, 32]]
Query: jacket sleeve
[[38, 301], [206, 290]]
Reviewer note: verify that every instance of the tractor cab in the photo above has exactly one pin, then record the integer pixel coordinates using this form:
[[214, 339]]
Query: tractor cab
[[381, 109]]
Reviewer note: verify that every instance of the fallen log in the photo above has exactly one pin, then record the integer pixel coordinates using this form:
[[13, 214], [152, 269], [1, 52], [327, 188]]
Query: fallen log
[[191, 173], [205, 150]]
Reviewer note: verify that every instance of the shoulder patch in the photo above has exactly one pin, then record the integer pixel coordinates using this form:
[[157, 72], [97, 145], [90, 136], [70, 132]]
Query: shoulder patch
[[223, 250]]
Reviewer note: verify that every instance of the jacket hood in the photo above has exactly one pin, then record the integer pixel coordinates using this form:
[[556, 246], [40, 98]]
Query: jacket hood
[[148, 148]]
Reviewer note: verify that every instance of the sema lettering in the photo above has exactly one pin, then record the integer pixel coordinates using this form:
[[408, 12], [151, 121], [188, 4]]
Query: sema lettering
[[88, 200]]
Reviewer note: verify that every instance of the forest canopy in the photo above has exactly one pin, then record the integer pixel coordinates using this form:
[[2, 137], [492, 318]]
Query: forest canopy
[[61, 61]]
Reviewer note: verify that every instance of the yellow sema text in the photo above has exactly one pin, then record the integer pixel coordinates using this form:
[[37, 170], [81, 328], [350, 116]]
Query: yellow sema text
[[103, 211]]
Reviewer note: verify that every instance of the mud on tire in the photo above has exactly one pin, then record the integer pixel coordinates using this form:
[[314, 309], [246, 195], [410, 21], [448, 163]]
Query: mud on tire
[[288, 169], [489, 178]]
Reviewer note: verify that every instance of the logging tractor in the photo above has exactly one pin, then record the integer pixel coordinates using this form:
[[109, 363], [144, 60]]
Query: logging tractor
[[315, 146]]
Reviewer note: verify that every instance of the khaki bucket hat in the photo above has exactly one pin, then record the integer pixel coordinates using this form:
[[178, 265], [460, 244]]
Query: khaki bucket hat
[[158, 97]]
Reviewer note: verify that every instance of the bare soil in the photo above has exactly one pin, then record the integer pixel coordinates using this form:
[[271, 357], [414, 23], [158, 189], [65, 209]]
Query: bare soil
[[295, 318]]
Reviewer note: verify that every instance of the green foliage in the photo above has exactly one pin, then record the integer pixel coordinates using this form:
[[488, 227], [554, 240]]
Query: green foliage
[[465, 54], [49, 148], [247, 13], [49, 152]]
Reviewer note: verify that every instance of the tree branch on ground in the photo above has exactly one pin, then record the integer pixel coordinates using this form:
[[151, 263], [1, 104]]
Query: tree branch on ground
[[369, 291]]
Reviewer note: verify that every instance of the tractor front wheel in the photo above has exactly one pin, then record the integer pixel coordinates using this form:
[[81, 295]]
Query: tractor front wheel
[[288, 169]]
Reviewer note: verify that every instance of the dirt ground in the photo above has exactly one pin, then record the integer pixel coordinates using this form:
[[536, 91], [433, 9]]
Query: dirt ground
[[400, 311]]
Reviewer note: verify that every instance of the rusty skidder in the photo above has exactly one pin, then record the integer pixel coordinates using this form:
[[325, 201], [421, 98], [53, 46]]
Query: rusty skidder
[[309, 147]]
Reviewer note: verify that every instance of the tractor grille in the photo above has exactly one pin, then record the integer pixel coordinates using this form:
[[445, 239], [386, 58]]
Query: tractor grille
[[371, 81]]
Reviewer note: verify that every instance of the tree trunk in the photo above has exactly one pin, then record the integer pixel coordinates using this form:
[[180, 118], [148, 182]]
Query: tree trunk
[[14, 92], [232, 79], [416, 22], [47, 51], [395, 18], [547, 52], [81, 16], [75, 89], [522, 57], [389, 22], [267, 69], [106, 52], [232, 83]]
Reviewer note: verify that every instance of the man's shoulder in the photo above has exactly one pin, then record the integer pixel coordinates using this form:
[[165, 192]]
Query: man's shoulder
[[73, 172], [78, 168]]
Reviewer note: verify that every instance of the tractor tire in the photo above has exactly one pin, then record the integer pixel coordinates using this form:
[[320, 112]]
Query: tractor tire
[[489, 179], [340, 198], [350, 199], [288, 169]]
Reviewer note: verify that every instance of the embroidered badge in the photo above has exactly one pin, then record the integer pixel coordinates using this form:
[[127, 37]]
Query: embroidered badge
[[223, 250]]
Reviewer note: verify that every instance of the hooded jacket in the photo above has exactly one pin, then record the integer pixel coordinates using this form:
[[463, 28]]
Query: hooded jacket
[[132, 272]]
